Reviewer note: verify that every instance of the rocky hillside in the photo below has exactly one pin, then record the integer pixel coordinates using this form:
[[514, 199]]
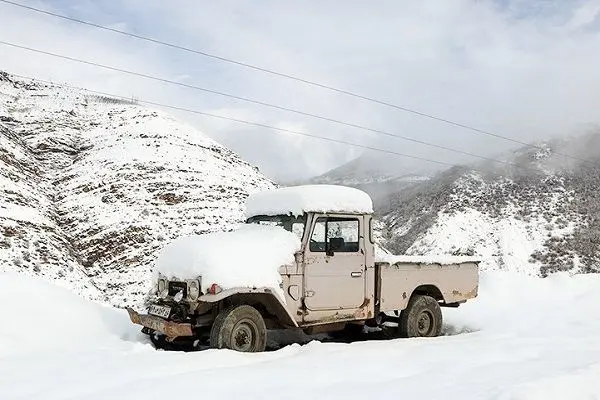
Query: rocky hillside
[[539, 218], [91, 187]]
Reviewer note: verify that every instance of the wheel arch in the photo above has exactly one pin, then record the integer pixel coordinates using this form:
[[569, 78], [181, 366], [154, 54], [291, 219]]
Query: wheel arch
[[429, 290], [270, 307]]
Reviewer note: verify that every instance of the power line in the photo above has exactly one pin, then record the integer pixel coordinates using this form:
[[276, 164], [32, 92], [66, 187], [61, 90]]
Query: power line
[[261, 125], [261, 103], [241, 121], [287, 76]]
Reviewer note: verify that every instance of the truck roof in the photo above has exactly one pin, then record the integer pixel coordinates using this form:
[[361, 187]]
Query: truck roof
[[296, 200]]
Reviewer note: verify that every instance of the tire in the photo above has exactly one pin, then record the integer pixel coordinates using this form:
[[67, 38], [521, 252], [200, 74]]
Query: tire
[[421, 318], [239, 328]]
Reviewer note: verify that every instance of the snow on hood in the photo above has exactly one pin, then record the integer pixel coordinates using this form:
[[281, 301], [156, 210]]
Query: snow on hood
[[247, 257], [305, 198]]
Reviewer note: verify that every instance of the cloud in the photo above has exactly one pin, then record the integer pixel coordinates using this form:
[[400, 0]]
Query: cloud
[[527, 69]]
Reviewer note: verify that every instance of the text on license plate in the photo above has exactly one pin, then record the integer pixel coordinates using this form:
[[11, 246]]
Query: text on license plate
[[159, 311]]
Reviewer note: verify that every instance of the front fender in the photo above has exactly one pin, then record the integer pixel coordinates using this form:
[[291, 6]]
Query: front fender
[[214, 298], [267, 297]]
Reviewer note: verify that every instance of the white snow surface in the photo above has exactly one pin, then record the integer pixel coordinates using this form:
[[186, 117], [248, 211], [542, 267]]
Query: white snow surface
[[40, 317], [382, 255], [506, 243], [249, 256], [523, 338], [296, 200]]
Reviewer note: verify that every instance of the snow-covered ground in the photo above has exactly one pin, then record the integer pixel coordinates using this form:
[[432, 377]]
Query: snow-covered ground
[[522, 338]]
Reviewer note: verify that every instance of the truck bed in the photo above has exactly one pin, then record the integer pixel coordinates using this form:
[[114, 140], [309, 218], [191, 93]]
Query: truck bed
[[453, 279]]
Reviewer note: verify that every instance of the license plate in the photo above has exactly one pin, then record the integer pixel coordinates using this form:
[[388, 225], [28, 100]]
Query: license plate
[[159, 311]]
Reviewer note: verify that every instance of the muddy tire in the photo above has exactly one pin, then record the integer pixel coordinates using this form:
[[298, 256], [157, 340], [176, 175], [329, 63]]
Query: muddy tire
[[239, 328], [421, 318]]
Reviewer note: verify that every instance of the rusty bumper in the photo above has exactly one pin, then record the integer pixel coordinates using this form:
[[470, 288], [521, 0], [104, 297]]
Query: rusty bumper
[[168, 328]]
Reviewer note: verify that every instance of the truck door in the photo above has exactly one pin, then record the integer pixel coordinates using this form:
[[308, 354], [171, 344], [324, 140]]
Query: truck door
[[334, 275]]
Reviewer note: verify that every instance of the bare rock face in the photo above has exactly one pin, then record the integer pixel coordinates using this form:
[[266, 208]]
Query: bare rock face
[[92, 188]]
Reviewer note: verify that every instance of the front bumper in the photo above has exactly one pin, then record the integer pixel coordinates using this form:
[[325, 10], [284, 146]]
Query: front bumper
[[168, 328]]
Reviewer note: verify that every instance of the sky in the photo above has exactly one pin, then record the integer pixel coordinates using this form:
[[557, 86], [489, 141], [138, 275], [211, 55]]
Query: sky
[[524, 69]]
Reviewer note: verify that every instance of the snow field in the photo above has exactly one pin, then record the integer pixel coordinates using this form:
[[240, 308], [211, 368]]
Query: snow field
[[40, 317], [522, 338]]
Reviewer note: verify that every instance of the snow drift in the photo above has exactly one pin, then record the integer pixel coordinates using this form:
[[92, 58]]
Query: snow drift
[[523, 338], [38, 316], [249, 256]]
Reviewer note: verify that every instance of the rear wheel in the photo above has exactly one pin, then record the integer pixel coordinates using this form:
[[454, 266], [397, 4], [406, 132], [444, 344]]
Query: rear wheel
[[239, 328], [421, 318]]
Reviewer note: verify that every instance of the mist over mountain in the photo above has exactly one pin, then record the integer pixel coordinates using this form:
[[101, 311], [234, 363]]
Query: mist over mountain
[[538, 215]]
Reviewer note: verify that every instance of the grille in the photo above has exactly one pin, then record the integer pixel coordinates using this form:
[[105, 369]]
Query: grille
[[176, 287]]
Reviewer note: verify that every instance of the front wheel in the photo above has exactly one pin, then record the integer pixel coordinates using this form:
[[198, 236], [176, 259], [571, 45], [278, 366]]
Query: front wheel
[[421, 318], [240, 328]]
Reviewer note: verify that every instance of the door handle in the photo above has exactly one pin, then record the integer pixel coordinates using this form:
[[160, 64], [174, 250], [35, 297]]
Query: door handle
[[356, 274]]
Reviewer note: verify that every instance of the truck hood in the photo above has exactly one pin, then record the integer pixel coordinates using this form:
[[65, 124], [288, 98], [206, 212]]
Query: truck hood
[[249, 256]]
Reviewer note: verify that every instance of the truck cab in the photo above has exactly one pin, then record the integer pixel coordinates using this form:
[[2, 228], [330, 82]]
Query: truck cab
[[335, 279]]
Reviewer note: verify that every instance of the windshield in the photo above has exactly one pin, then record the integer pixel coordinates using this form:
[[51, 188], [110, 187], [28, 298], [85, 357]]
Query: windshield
[[287, 222]]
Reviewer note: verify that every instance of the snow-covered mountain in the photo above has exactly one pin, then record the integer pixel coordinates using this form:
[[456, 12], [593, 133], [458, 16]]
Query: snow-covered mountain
[[91, 187], [378, 174], [539, 218]]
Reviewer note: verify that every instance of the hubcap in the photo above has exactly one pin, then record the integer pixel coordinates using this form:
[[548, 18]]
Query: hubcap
[[425, 323], [244, 336]]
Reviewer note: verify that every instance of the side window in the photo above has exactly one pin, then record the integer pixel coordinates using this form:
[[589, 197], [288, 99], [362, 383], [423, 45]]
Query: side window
[[336, 235]]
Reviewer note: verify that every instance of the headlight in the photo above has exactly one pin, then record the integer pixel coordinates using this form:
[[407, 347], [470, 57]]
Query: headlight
[[193, 290], [162, 285]]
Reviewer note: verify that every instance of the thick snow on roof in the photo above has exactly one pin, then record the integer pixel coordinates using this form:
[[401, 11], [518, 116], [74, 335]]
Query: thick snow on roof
[[305, 198], [247, 257]]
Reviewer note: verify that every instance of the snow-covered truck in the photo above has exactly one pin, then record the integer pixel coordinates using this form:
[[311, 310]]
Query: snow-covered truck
[[305, 258]]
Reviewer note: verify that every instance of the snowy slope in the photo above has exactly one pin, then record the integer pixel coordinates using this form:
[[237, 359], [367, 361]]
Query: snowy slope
[[538, 219], [31, 240], [112, 182], [538, 343]]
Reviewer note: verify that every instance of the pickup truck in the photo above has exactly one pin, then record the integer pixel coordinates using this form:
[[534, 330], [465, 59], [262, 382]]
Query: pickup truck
[[336, 281]]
